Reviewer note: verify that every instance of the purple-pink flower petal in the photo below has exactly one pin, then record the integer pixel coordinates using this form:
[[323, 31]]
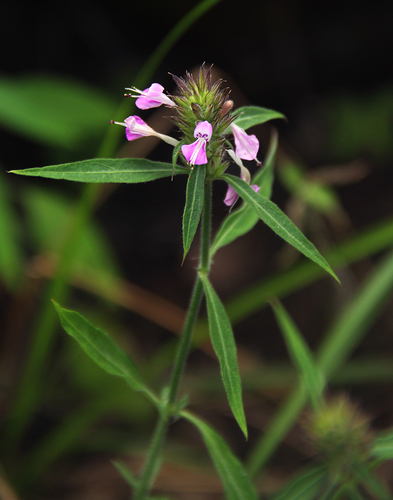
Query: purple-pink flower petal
[[246, 145], [203, 130], [195, 153], [232, 195], [153, 97], [136, 128]]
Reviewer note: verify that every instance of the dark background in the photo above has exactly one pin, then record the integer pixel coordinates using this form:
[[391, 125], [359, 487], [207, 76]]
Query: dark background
[[310, 60], [326, 65]]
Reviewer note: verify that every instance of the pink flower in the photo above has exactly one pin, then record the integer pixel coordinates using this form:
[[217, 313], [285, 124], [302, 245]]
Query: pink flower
[[231, 196], [246, 145], [151, 97], [195, 153], [136, 128]]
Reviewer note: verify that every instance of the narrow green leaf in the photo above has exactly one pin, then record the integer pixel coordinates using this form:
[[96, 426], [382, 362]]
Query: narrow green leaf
[[373, 484], [175, 154], [300, 353], [130, 479], [235, 481], [125, 473], [119, 170], [306, 486], [277, 221], [383, 446], [224, 345], [101, 348], [248, 116], [193, 206], [244, 219], [264, 177]]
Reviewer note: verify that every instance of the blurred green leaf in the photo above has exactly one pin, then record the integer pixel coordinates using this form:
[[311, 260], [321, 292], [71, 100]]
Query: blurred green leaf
[[300, 354], [373, 484], [236, 483], [383, 446], [248, 116], [264, 177], [193, 206], [54, 110], [305, 486], [101, 348], [277, 221], [224, 345], [118, 170], [11, 256], [342, 338], [353, 494], [48, 215], [314, 194], [126, 474], [360, 124], [368, 242], [244, 219]]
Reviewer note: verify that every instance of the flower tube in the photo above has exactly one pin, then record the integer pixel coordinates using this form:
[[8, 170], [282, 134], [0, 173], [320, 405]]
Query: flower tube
[[136, 128], [231, 195]]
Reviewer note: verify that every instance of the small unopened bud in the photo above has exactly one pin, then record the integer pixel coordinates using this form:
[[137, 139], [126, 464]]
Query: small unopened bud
[[226, 108], [197, 110]]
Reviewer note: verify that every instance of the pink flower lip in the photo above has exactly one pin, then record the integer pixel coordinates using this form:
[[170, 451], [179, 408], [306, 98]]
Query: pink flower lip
[[195, 153], [203, 130], [152, 97], [232, 195], [246, 145]]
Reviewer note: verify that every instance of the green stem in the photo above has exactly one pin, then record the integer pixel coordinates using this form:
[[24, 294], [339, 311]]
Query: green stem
[[169, 410]]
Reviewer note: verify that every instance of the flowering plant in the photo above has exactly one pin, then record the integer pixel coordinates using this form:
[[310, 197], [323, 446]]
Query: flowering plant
[[206, 124]]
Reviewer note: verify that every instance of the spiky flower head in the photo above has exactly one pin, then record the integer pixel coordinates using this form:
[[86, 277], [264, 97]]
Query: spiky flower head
[[199, 100], [340, 435]]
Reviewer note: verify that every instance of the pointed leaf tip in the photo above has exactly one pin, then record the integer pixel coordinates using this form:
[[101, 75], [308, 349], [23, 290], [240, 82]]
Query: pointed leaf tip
[[278, 221], [224, 345]]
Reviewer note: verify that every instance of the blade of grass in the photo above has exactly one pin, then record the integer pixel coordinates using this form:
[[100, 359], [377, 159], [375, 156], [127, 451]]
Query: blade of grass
[[301, 355]]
